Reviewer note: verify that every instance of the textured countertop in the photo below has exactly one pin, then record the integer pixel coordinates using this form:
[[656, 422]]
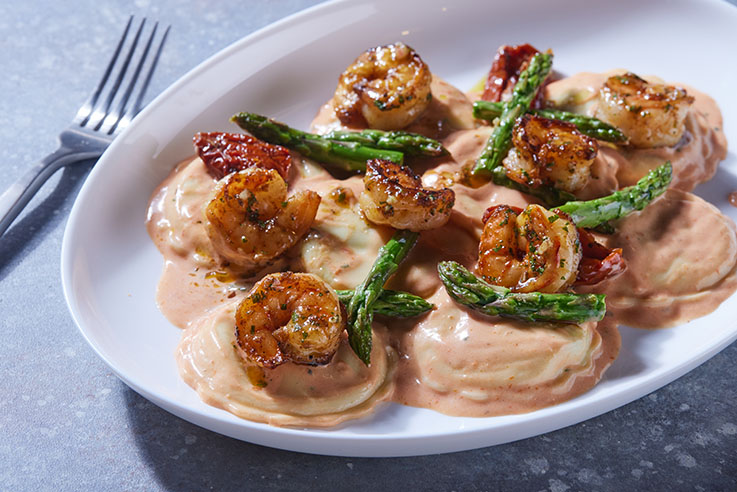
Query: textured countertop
[[68, 423]]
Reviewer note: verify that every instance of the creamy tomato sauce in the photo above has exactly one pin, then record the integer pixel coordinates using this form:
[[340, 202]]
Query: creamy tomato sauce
[[452, 360]]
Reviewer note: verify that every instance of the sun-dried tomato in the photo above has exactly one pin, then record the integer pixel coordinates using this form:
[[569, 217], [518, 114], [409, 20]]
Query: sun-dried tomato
[[509, 62], [224, 153], [598, 262]]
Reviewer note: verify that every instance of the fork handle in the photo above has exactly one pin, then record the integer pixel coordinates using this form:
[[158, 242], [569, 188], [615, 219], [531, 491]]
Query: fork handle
[[14, 199]]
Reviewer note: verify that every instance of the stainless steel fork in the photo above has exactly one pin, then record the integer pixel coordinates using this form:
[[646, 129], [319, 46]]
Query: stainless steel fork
[[98, 121]]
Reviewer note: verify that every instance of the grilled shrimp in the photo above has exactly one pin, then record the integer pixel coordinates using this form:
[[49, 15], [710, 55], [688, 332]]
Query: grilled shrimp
[[534, 250], [550, 152], [387, 86], [651, 115], [251, 221], [394, 195], [289, 317]]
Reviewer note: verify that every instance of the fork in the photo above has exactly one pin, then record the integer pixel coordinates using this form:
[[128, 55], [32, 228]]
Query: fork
[[96, 124]]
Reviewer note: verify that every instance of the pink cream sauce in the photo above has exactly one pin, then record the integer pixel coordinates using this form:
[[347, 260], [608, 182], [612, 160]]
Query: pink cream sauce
[[452, 360]]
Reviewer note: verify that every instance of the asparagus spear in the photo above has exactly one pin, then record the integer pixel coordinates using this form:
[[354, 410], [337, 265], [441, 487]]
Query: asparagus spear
[[497, 146], [593, 127], [488, 110], [549, 195], [393, 303], [405, 142], [347, 150], [349, 156], [592, 213], [469, 290], [360, 308]]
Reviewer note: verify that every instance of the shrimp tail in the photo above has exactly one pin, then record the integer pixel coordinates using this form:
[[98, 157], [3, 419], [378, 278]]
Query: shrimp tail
[[597, 262], [593, 213], [469, 290]]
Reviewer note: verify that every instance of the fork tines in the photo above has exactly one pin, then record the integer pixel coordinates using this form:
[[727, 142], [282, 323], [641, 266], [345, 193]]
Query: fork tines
[[109, 109]]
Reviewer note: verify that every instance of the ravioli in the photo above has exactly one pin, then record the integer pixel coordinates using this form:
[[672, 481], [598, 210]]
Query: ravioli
[[290, 394], [681, 253]]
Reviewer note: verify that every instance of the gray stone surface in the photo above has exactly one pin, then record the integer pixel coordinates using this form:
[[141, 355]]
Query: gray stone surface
[[67, 423]]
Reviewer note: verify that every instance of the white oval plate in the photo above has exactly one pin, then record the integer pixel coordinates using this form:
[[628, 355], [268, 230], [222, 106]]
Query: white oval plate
[[110, 267]]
